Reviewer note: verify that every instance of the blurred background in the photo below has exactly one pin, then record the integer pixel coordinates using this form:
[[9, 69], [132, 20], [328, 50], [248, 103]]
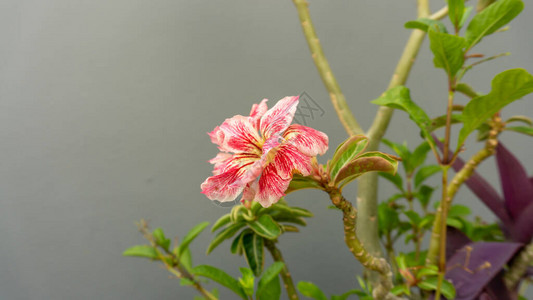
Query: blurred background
[[104, 109]]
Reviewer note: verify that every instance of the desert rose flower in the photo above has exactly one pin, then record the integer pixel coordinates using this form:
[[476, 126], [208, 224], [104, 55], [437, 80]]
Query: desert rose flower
[[260, 153]]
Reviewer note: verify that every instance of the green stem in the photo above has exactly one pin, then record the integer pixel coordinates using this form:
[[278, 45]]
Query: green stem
[[459, 178], [356, 247], [519, 267], [368, 183], [285, 274], [337, 97]]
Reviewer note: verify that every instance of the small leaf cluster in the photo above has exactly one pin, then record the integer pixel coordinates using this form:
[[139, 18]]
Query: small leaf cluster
[[251, 227]]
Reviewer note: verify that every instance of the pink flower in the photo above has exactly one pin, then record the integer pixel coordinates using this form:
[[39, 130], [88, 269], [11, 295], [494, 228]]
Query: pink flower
[[260, 153]]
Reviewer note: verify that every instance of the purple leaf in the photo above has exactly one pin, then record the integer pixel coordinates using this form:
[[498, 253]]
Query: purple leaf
[[517, 188], [472, 267], [529, 272], [497, 290], [455, 240], [483, 190], [522, 230]]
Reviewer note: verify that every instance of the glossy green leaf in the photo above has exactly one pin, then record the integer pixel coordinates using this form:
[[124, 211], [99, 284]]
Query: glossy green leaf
[[400, 98], [425, 172], [367, 162], [141, 251], [222, 221], [430, 284], [507, 87], [395, 179], [294, 220], [223, 235], [350, 148], [268, 287], [521, 129], [300, 182], [424, 24], [491, 19], [236, 245], [191, 235], [447, 50], [310, 290], [220, 277], [253, 245], [247, 281], [456, 9], [266, 227]]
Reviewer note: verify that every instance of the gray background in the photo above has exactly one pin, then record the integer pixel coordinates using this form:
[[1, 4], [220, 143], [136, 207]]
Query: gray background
[[104, 109]]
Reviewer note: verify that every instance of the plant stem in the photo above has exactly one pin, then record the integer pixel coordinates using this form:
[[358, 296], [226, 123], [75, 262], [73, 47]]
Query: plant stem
[[174, 266], [356, 247], [285, 274], [519, 267], [446, 156], [459, 178], [337, 97], [368, 183]]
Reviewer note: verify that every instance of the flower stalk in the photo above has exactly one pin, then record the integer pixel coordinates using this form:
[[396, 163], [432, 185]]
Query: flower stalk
[[285, 274]]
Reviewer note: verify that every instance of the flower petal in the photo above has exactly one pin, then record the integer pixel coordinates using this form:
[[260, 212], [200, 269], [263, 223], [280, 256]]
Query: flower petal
[[279, 117], [309, 141], [271, 186], [220, 161], [289, 160], [237, 134], [517, 189], [227, 181], [258, 110]]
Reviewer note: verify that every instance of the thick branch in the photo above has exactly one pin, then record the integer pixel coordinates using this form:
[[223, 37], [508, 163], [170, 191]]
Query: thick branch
[[337, 97], [519, 267]]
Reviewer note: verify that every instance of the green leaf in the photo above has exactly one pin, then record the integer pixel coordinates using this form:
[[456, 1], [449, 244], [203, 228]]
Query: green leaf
[[160, 238], [448, 51], [400, 149], [507, 87], [395, 179], [349, 293], [414, 217], [466, 14], [300, 182], [399, 97], [350, 148], [253, 250], [247, 281], [294, 220], [367, 162], [222, 221], [388, 219], [223, 235], [430, 270], [424, 195], [424, 24], [425, 172], [521, 129], [430, 284], [236, 245], [191, 235], [268, 287], [456, 9], [186, 259], [419, 155], [440, 121], [310, 290], [221, 277], [266, 227], [141, 251], [300, 212], [459, 210], [491, 19]]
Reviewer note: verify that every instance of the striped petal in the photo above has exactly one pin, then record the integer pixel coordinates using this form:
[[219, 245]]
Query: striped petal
[[279, 117], [309, 141], [271, 186], [258, 110], [289, 160], [227, 181], [237, 135]]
